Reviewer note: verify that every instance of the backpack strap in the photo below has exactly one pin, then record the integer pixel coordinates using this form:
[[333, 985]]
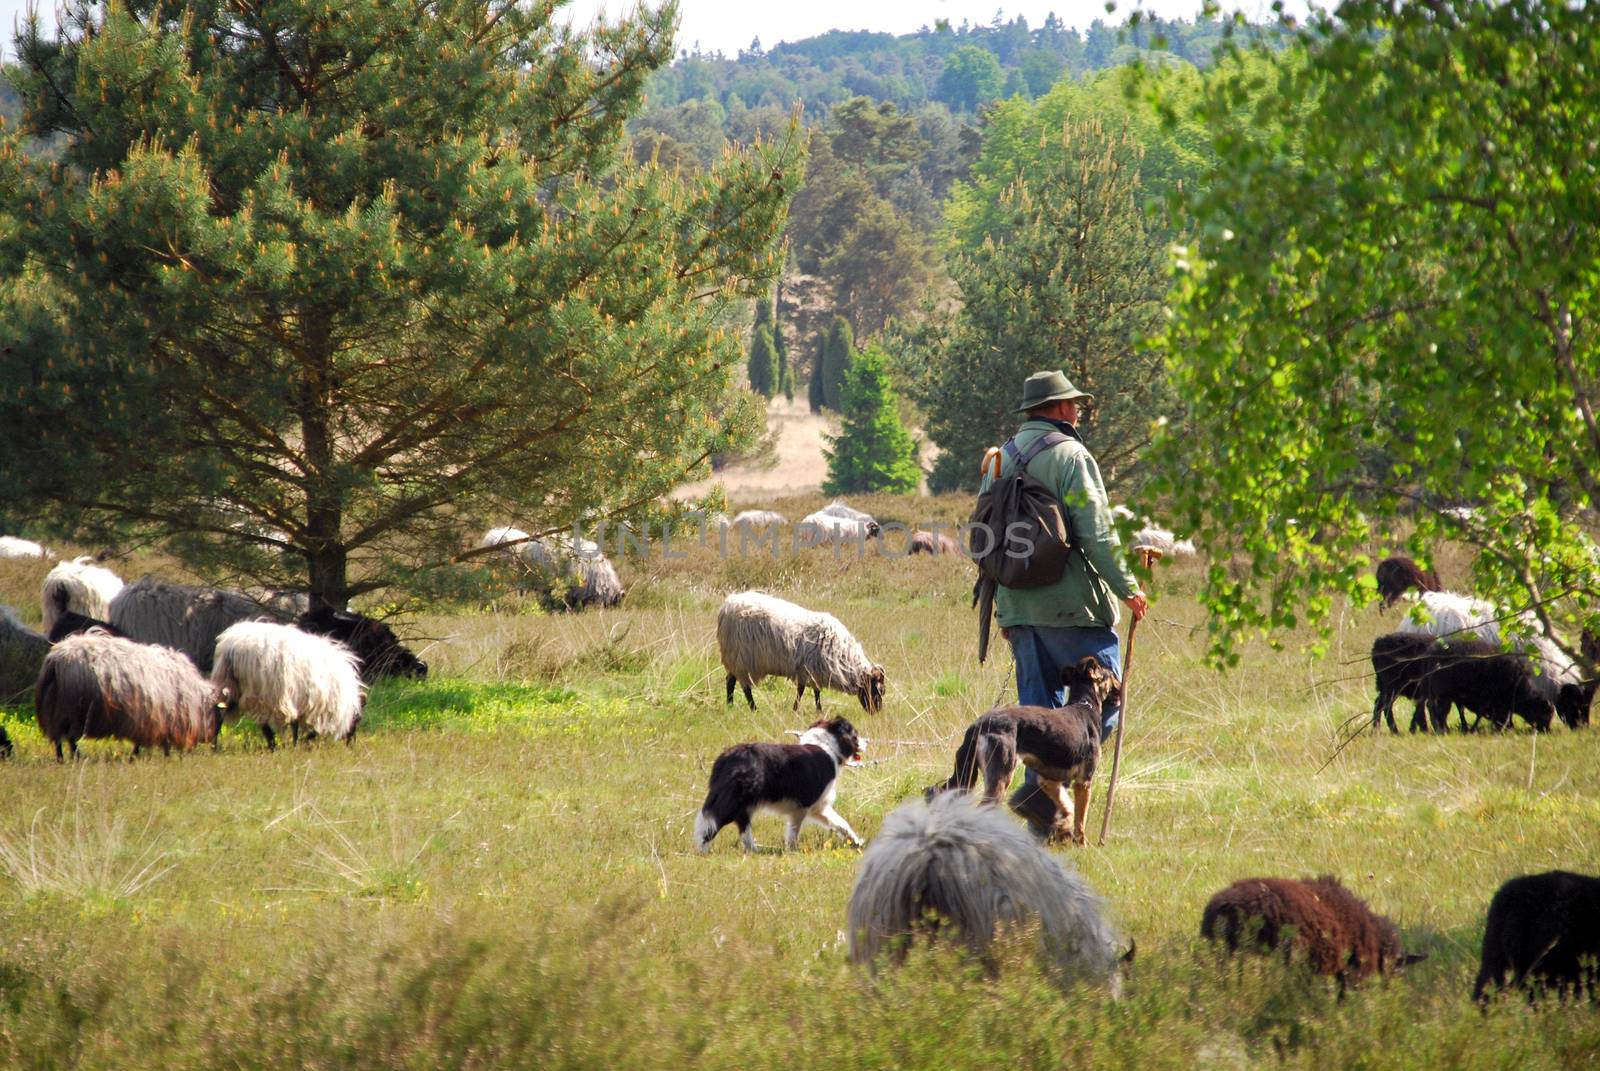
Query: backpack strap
[[1039, 445]]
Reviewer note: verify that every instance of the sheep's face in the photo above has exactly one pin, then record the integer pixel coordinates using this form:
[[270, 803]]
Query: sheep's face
[[1573, 703], [870, 690]]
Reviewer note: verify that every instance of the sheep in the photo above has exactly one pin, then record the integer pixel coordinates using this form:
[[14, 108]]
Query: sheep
[[837, 508], [1543, 928], [824, 529], [285, 677], [1341, 936], [78, 585], [575, 566], [96, 685], [1163, 540], [71, 623], [6, 748], [180, 616], [759, 635], [1397, 574], [933, 543], [15, 547], [1452, 616], [22, 652], [1469, 673], [950, 868], [378, 650], [758, 519]]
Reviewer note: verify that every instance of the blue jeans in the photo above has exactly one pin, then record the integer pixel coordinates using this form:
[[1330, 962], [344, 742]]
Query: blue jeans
[[1042, 651]]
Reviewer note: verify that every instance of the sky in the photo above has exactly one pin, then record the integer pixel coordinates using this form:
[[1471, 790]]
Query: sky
[[729, 25]]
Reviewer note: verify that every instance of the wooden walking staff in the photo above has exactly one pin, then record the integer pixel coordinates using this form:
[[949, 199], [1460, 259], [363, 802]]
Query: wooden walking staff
[[1147, 556]]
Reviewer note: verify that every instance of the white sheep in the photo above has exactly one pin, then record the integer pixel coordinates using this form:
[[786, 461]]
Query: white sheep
[[15, 547], [761, 636], [1451, 616], [80, 586], [585, 576], [1163, 540], [756, 519], [826, 529], [285, 677], [837, 508]]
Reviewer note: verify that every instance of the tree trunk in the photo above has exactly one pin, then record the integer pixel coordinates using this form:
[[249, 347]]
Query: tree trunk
[[325, 552]]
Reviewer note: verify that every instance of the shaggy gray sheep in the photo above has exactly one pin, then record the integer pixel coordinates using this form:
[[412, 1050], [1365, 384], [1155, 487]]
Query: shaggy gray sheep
[[565, 572], [95, 685], [953, 869], [761, 636], [79, 586], [185, 618], [285, 677], [22, 652]]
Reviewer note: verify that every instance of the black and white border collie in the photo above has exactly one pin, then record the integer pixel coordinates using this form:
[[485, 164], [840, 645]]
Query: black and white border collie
[[797, 781]]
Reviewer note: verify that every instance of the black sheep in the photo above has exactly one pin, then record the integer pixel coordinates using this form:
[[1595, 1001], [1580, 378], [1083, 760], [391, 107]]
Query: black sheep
[[376, 646], [1543, 928], [70, 623], [1401, 663], [1493, 683]]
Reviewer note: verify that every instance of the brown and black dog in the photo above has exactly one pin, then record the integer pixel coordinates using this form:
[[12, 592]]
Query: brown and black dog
[[1062, 745]]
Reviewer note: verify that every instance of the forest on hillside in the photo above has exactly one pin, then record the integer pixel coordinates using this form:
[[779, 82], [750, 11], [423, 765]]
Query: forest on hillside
[[914, 145]]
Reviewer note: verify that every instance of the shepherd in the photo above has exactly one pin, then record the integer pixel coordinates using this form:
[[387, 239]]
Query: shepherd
[[1050, 563]]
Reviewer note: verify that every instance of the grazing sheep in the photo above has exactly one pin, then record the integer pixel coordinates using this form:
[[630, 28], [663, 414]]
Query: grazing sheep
[[5, 743], [1451, 616], [15, 547], [1398, 574], [759, 636], [826, 530], [71, 623], [285, 677], [1163, 540], [78, 585], [756, 519], [180, 616], [931, 543], [1471, 674], [952, 869], [837, 508], [1545, 929], [96, 685], [575, 570], [1341, 936], [377, 649], [22, 652]]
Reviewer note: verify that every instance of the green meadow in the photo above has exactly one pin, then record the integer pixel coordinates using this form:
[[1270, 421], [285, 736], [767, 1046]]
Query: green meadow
[[497, 872]]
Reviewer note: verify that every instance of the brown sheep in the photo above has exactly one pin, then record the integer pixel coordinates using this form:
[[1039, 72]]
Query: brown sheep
[[933, 543], [1341, 936], [1397, 575]]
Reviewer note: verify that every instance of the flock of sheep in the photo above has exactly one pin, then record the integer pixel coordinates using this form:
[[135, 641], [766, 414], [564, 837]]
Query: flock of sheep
[[166, 665], [948, 867]]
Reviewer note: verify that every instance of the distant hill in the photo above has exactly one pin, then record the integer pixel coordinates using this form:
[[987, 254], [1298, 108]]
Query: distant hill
[[914, 69]]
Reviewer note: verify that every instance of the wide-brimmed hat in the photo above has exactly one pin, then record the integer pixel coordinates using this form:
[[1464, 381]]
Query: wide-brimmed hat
[[1042, 388]]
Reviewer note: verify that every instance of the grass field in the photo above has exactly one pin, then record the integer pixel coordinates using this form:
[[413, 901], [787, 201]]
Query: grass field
[[497, 872]]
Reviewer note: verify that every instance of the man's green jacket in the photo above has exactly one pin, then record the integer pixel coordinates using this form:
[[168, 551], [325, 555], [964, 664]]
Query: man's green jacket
[[1097, 575]]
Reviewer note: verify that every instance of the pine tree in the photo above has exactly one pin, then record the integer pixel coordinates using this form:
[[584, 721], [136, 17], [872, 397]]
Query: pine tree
[[815, 395], [780, 349], [392, 260], [838, 350], [763, 363], [873, 451]]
